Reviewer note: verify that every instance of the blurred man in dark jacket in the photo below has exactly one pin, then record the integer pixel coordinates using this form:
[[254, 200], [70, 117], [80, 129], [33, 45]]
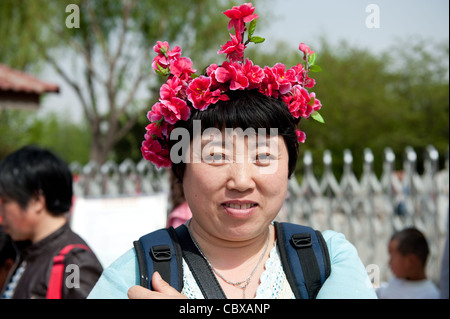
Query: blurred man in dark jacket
[[36, 194]]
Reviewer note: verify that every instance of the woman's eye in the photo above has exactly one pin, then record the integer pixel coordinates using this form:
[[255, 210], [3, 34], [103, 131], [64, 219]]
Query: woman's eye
[[215, 158], [264, 158]]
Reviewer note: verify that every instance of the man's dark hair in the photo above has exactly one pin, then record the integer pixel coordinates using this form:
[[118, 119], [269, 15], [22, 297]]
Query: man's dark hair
[[32, 171], [412, 241]]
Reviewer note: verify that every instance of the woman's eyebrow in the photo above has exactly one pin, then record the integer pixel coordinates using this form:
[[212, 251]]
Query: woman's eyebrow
[[212, 142]]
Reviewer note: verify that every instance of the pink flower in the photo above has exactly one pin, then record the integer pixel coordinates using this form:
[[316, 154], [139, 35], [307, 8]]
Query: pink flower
[[298, 72], [239, 16], [155, 114], [161, 61], [170, 88], [238, 79], [301, 136], [283, 78], [222, 75], [305, 49], [165, 56], [174, 109], [314, 102], [301, 77], [157, 129], [153, 151], [161, 47], [254, 73], [211, 72], [200, 94], [197, 92], [182, 68], [269, 86], [218, 96], [234, 49], [175, 53], [309, 83], [170, 111], [297, 102], [232, 72]]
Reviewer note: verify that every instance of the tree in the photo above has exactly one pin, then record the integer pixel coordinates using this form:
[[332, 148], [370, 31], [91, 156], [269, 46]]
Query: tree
[[107, 59]]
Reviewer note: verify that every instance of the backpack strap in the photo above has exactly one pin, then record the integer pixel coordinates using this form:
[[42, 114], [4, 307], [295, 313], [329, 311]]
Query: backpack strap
[[305, 258], [163, 250], [160, 251], [202, 272], [54, 290]]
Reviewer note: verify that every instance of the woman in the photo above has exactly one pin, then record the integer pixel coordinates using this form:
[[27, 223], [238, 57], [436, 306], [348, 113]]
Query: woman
[[238, 148]]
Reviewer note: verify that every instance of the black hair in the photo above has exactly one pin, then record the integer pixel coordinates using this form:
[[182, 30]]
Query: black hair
[[412, 241], [246, 109], [31, 171]]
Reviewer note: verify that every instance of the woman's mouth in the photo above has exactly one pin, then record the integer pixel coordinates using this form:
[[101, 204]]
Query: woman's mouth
[[240, 210], [240, 206]]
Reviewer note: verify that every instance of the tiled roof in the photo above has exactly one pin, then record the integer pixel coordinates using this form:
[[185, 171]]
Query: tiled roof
[[13, 80]]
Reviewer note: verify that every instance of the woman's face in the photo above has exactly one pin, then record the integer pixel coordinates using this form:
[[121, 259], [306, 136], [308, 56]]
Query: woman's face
[[238, 185]]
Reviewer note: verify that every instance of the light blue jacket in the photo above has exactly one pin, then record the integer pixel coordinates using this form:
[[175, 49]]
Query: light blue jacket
[[348, 278]]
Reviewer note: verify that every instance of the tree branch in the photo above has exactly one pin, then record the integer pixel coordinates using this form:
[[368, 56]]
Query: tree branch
[[74, 85], [126, 128], [97, 32], [137, 82], [125, 17]]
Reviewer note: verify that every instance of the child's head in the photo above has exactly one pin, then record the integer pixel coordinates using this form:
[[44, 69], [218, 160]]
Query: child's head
[[408, 250]]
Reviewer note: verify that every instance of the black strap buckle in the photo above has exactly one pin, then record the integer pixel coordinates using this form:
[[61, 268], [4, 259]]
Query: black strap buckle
[[161, 253], [302, 240]]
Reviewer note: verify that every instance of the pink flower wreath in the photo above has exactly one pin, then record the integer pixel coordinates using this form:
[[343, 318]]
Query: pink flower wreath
[[184, 89]]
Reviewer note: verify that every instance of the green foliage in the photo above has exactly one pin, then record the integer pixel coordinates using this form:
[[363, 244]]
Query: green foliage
[[22, 127]]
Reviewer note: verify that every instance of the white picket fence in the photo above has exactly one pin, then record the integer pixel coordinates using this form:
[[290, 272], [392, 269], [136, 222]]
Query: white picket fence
[[367, 210]]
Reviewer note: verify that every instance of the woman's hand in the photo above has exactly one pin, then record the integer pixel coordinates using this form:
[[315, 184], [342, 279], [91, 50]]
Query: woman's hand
[[162, 290]]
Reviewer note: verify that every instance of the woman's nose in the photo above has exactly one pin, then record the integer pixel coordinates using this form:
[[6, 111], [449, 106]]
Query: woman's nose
[[241, 177]]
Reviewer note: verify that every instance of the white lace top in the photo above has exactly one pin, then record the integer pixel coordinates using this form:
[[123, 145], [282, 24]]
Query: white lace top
[[273, 282]]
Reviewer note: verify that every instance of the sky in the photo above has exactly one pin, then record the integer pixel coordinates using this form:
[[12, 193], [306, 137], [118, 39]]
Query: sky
[[298, 21], [375, 25]]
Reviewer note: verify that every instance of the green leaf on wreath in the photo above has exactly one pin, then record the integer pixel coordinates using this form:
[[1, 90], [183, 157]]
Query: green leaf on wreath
[[312, 59], [316, 115], [257, 39], [251, 28], [315, 68]]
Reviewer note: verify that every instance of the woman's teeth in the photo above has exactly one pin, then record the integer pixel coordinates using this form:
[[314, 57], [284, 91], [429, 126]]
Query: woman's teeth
[[243, 206]]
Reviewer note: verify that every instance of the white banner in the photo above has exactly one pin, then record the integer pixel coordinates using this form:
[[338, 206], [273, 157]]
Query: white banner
[[110, 225]]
